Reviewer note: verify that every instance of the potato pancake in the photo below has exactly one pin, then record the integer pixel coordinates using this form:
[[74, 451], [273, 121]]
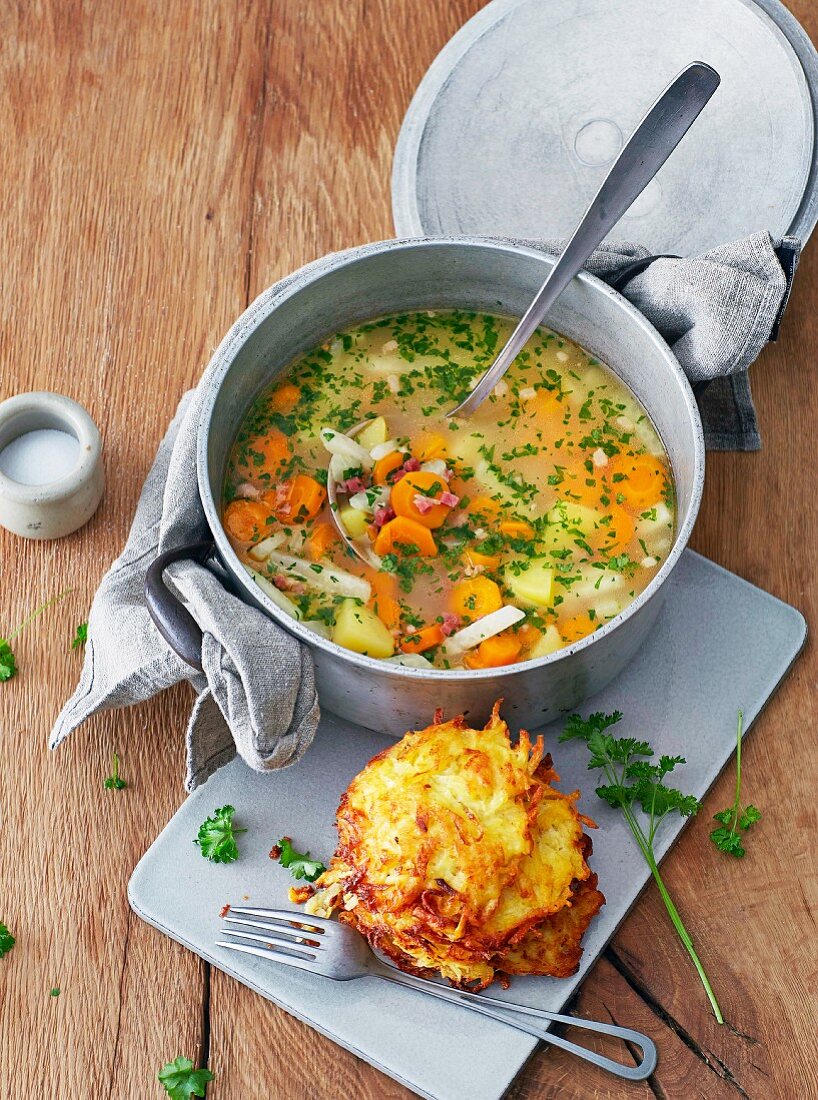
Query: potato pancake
[[458, 856]]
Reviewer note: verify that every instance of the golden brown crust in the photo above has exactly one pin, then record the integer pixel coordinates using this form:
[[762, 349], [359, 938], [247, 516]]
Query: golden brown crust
[[456, 855]]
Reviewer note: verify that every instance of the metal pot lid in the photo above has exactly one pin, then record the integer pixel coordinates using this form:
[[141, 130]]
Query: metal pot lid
[[517, 120]]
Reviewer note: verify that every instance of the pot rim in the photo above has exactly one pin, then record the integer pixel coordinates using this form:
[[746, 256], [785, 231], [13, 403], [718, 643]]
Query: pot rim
[[258, 311]]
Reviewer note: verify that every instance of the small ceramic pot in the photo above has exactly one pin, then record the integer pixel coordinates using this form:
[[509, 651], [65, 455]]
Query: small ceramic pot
[[61, 506]]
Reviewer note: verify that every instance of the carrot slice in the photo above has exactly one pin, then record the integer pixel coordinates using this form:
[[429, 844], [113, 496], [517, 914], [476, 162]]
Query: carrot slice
[[502, 649], [577, 627], [285, 397], [545, 404], [386, 466], [578, 489], [617, 533], [405, 532], [421, 640], [516, 529], [422, 483], [428, 446], [276, 451], [484, 507], [476, 597], [383, 602], [299, 499], [488, 561], [641, 479], [246, 520], [321, 538], [528, 635]]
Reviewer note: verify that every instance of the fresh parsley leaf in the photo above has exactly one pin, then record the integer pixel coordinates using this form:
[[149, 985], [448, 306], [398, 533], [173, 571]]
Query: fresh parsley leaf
[[217, 836], [181, 1081], [55, 992], [8, 664], [114, 782], [634, 779], [81, 636], [299, 866], [735, 820], [7, 941]]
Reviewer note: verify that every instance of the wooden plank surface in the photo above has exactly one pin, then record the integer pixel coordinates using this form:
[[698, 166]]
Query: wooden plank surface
[[162, 165]]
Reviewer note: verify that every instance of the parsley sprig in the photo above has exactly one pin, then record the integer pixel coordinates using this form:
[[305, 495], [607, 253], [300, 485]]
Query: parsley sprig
[[7, 941], [181, 1081], [217, 836], [114, 782], [8, 662], [80, 637], [633, 781], [735, 820], [299, 864]]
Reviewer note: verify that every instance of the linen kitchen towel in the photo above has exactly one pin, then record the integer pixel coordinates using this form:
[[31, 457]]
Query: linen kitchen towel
[[256, 693]]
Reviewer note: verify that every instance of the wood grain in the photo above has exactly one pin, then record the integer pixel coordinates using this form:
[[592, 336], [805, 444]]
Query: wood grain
[[163, 164]]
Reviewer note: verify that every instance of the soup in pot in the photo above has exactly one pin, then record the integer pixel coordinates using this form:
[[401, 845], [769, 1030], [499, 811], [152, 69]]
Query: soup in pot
[[490, 540]]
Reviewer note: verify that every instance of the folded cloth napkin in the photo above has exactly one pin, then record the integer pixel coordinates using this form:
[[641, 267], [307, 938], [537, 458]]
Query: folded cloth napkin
[[256, 694]]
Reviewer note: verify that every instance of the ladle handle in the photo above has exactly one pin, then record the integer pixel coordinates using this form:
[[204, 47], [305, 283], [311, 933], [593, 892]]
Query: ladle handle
[[650, 145]]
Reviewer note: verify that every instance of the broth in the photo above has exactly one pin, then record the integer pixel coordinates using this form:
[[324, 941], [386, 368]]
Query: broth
[[498, 539]]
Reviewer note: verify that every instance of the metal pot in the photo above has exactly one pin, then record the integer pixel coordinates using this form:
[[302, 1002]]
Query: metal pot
[[456, 272]]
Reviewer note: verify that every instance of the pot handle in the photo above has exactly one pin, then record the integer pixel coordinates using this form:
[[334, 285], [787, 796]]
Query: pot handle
[[170, 616]]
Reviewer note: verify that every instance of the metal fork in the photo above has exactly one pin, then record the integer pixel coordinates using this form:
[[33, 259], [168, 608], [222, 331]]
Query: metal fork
[[337, 951]]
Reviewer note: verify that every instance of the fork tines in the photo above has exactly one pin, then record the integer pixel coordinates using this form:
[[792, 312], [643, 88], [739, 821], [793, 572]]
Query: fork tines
[[292, 933]]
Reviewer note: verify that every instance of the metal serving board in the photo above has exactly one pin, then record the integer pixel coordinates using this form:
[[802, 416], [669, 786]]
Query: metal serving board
[[720, 644], [519, 117]]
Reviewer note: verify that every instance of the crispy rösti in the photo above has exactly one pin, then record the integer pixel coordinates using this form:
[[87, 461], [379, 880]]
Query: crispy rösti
[[456, 855]]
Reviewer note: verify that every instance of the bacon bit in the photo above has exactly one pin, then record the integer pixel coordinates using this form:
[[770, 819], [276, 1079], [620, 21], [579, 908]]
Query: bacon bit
[[450, 623], [449, 499], [247, 491], [352, 485], [383, 514], [299, 894], [225, 909], [458, 519], [275, 851], [410, 466], [438, 718], [287, 584], [424, 504]]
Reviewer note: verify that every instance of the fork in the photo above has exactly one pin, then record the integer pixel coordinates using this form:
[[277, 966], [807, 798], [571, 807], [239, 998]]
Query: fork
[[337, 951]]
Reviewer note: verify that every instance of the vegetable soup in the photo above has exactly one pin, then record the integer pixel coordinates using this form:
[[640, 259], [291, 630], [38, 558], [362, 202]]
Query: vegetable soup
[[492, 540]]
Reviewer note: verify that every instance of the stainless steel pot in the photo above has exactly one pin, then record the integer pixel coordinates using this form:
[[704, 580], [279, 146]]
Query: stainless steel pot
[[468, 273]]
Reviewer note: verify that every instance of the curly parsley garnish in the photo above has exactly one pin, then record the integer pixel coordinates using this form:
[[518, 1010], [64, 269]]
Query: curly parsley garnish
[[114, 782], [735, 820], [7, 941], [181, 1081], [217, 836], [80, 637], [299, 865], [632, 780]]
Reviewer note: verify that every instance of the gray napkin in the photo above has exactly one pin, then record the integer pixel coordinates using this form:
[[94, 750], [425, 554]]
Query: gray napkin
[[257, 691], [256, 694]]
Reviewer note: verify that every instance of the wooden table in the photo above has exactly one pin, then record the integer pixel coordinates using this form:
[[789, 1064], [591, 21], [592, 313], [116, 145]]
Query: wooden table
[[163, 163]]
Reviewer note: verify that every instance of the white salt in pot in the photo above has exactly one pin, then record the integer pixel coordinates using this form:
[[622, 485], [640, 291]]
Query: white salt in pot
[[55, 505]]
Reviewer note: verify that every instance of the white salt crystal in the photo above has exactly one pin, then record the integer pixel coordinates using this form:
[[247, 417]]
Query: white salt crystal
[[40, 457]]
